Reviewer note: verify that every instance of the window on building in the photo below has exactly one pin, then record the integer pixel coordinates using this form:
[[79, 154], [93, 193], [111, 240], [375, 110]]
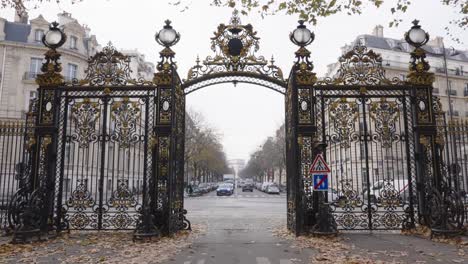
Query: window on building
[[34, 68], [73, 42], [465, 90], [38, 34], [451, 107], [72, 71], [33, 94]]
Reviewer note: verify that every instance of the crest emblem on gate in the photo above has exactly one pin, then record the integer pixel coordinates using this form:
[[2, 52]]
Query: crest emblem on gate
[[85, 114], [125, 115]]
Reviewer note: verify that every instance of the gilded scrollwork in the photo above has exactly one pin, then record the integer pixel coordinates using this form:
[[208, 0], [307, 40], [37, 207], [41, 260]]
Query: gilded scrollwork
[[81, 199], [85, 115], [122, 198], [344, 115], [108, 67], [235, 46], [419, 69], [385, 116], [51, 70], [360, 66], [125, 114], [165, 105], [47, 106]]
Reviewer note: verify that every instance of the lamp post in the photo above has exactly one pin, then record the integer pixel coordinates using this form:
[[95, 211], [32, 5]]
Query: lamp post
[[166, 37], [419, 68], [302, 37], [51, 68]]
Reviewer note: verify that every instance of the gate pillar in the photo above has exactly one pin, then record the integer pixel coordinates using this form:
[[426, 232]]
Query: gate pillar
[[35, 214], [307, 210], [169, 139], [435, 195]]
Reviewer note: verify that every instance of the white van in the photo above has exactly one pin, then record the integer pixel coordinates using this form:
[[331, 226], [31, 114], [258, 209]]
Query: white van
[[377, 189]]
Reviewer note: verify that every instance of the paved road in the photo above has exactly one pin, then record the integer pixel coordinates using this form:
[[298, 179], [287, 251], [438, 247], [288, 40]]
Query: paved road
[[239, 230]]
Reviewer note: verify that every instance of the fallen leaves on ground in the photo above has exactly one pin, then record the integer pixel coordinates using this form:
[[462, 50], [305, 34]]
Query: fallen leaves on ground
[[331, 250], [99, 247], [425, 232]]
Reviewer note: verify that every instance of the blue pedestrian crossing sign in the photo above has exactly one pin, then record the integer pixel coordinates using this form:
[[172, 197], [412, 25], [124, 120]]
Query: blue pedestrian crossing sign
[[320, 182]]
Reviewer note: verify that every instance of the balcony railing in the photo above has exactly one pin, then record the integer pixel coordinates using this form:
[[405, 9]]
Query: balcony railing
[[30, 75], [33, 75], [456, 72], [452, 92]]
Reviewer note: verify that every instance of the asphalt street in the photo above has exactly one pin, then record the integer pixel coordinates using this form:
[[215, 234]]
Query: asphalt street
[[239, 230]]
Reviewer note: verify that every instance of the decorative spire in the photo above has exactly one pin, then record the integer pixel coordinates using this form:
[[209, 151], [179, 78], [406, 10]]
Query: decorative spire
[[235, 19]]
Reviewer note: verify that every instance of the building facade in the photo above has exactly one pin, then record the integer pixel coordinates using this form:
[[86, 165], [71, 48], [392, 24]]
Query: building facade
[[140, 68], [22, 53], [450, 86], [360, 167]]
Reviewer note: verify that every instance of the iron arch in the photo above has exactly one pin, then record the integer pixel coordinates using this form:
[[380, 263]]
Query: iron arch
[[235, 60], [234, 77]]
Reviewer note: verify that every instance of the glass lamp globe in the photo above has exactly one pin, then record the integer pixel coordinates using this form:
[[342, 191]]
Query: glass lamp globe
[[302, 35], [417, 35], [53, 37], [167, 36]]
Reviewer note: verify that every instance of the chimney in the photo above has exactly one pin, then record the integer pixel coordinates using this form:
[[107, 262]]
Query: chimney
[[21, 16], [87, 31], [65, 18], [438, 42], [378, 31]]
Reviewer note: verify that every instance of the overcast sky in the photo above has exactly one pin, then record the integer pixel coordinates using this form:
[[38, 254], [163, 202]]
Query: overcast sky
[[245, 115]]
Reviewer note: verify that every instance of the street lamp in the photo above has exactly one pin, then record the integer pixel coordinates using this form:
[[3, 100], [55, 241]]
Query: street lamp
[[416, 36], [302, 36], [51, 68], [419, 68], [54, 38], [167, 36]]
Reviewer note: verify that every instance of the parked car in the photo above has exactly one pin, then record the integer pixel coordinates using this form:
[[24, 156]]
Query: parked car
[[195, 191], [272, 189], [264, 186], [378, 188], [336, 197], [248, 187], [225, 189], [258, 186]]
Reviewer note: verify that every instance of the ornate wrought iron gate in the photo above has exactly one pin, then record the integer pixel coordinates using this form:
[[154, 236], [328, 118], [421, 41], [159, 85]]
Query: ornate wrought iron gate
[[112, 148], [105, 158], [366, 122]]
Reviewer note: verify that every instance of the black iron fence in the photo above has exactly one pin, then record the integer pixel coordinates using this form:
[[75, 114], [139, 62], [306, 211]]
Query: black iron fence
[[12, 135], [455, 156]]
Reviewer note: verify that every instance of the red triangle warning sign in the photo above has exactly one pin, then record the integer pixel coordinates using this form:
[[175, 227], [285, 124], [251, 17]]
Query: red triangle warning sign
[[319, 165]]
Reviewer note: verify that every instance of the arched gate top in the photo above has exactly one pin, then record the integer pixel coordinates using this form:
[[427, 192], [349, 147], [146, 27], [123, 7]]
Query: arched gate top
[[360, 66], [235, 60]]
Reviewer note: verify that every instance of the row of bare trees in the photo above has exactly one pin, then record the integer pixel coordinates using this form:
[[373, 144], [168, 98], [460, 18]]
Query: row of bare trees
[[205, 160], [269, 162]]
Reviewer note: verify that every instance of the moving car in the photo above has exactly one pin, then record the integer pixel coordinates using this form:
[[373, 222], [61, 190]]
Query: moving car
[[272, 189], [225, 189], [247, 187]]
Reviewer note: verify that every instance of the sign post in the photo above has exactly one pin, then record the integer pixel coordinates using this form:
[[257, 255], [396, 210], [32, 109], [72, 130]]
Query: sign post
[[319, 171]]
